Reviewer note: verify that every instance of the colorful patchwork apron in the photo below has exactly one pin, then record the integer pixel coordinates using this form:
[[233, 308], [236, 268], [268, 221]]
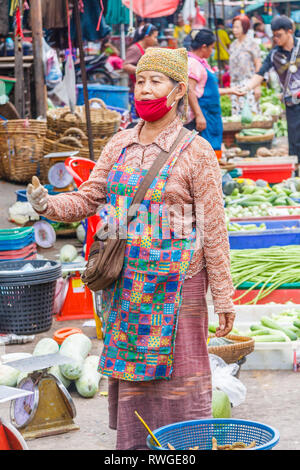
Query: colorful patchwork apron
[[142, 306]]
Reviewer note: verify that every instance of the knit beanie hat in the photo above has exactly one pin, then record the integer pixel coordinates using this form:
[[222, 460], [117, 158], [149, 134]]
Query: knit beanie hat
[[171, 62]]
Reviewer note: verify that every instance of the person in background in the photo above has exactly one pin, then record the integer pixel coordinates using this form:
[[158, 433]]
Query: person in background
[[285, 59], [224, 43], [260, 33], [145, 36], [244, 61], [205, 113], [113, 54], [181, 30]]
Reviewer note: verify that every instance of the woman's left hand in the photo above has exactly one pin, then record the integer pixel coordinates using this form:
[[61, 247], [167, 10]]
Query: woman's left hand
[[257, 93], [225, 324], [238, 91]]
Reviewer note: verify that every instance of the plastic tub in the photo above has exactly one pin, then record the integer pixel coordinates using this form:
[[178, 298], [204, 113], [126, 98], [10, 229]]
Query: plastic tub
[[16, 238], [26, 303], [286, 293], [112, 95], [60, 335], [274, 173], [277, 233]]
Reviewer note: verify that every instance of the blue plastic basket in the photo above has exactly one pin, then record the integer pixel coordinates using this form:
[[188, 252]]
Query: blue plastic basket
[[187, 434], [277, 233]]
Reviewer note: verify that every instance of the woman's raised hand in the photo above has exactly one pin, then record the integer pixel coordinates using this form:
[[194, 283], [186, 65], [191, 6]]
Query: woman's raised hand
[[37, 195]]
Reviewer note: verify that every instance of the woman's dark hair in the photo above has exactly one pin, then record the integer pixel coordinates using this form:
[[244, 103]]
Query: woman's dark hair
[[201, 37], [281, 22], [143, 31]]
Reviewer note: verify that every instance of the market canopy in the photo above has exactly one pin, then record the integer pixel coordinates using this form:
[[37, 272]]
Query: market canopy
[[117, 13], [153, 8]]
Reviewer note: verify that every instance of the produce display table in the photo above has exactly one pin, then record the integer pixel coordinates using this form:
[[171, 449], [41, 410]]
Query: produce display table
[[278, 232]]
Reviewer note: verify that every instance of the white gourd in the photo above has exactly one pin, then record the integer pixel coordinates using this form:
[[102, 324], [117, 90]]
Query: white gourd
[[77, 347], [8, 375], [88, 383], [55, 370], [46, 346]]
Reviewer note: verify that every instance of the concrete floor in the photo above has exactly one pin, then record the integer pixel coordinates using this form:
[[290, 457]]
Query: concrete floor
[[272, 396]]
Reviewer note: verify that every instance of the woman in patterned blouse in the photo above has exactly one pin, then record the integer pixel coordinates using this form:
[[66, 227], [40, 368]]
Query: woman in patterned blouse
[[162, 275], [244, 62]]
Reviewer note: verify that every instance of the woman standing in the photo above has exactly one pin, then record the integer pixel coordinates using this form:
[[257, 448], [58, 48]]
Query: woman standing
[[244, 62], [145, 36], [155, 347], [204, 93]]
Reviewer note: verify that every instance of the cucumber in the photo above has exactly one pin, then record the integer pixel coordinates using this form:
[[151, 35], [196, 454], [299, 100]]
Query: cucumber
[[259, 328], [269, 323], [269, 338], [296, 323], [259, 332]]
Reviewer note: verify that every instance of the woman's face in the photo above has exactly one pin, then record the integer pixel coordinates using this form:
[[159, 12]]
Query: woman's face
[[153, 85], [209, 50], [151, 41], [237, 29]]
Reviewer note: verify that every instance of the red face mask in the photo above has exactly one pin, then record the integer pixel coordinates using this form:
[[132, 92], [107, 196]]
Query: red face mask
[[153, 110]]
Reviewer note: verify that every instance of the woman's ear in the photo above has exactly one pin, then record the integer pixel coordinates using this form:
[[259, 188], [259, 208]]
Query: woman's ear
[[181, 90]]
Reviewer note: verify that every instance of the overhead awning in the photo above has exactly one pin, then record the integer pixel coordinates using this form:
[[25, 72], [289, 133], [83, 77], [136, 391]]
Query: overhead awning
[[153, 8]]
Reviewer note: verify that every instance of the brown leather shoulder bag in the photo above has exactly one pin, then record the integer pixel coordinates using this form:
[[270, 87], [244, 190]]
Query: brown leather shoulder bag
[[106, 257]]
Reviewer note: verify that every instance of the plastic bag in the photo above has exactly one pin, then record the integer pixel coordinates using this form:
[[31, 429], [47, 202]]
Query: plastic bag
[[52, 71], [246, 117], [223, 379]]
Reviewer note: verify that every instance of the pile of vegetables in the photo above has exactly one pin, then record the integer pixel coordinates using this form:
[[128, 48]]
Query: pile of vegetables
[[83, 372], [280, 128], [226, 105], [253, 131], [282, 327], [270, 103], [260, 194], [68, 254], [235, 227], [267, 268], [237, 211], [238, 118]]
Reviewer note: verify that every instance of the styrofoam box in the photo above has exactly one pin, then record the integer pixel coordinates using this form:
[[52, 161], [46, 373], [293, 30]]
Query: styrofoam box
[[266, 356]]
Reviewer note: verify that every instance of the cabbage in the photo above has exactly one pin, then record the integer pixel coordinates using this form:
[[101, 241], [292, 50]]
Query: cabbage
[[221, 407], [67, 253]]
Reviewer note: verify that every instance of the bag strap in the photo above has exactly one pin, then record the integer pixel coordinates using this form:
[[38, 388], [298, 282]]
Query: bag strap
[[152, 173]]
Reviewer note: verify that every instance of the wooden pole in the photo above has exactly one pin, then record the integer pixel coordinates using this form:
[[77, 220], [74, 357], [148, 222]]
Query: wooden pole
[[19, 75], [84, 80], [37, 42], [217, 38]]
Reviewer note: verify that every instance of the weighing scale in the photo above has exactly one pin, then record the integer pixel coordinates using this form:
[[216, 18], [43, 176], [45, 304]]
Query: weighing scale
[[58, 175], [49, 409], [10, 437], [44, 234]]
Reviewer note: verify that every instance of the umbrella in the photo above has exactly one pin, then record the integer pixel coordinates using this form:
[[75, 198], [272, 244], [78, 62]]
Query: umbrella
[[153, 8]]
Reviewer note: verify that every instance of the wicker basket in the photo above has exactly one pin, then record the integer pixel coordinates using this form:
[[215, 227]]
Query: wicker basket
[[21, 149], [238, 126], [231, 353], [104, 122], [255, 138]]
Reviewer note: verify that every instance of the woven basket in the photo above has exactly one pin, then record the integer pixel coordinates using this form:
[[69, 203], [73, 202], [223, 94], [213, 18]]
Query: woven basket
[[255, 138], [104, 122], [231, 353], [21, 149], [238, 126]]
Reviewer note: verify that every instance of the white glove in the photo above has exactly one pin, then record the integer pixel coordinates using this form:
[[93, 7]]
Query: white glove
[[37, 195]]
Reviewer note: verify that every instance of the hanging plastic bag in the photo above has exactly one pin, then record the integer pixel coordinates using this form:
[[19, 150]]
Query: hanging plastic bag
[[223, 379], [52, 71], [246, 117]]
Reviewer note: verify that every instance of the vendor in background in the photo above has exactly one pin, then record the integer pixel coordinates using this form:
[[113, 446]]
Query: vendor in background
[[181, 30], [260, 33], [244, 61], [285, 59], [145, 36], [113, 54], [224, 43], [205, 113]]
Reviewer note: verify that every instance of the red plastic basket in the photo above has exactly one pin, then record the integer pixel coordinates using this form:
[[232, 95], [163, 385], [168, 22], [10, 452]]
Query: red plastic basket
[[269, 173]]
